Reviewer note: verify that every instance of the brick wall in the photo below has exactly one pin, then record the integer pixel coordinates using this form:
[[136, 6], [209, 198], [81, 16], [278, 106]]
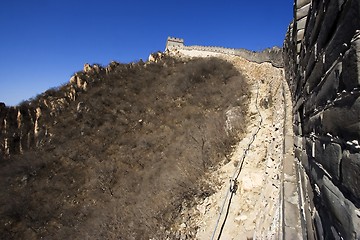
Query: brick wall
[[322, 64]]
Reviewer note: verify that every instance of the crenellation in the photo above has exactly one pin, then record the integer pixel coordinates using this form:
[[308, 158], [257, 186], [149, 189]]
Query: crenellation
[[272, 55]]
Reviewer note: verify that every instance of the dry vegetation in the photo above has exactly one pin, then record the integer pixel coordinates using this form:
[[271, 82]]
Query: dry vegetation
[[126, 155]]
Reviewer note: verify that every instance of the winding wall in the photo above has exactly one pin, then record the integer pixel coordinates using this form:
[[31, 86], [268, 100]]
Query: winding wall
[[272, 55], [322, 64]]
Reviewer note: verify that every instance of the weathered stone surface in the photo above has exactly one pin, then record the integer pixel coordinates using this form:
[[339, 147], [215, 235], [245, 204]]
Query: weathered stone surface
[[302, 11], [305, 160], [313, 124], [347, 222], [298, 141], [344, 122], [301, 24], [297, 153], [301, 3], [330, 86], [351, 65], [315, 76], [319, 13], [351, 172], [328, 22], [300, 34], [327, 64], [331, 159], [346, 29], [318, 226]]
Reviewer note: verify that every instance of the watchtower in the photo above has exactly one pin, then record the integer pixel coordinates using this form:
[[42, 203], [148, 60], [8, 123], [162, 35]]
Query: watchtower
[[173, 42]]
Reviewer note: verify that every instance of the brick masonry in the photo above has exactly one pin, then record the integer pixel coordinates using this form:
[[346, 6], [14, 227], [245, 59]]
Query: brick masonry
[[322, 64]]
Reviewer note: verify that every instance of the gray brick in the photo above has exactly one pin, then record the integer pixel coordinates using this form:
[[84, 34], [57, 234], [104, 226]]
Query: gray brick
[[343, 121], [303, 11], [332, 158], [340, 40], [301, 3], [351, 65], [341, 209], [351, 172], [315, 76], [330, 86]]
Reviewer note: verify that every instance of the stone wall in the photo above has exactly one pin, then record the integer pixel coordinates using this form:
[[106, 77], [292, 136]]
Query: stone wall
[[271, 55], [173, 42], [322, 64]]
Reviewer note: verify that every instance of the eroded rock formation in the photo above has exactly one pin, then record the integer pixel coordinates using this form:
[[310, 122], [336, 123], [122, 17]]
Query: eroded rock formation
[[27, 125]]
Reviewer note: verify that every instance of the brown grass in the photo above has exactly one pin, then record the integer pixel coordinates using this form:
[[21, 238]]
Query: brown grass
[[121, 168]]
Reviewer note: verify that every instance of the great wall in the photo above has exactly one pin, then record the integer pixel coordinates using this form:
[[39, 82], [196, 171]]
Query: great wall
[[320, 195]]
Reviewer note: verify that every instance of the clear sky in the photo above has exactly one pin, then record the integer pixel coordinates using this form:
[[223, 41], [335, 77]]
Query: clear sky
[[43, 42]]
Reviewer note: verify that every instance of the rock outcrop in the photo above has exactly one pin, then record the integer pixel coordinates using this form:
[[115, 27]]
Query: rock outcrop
[[27, 125]]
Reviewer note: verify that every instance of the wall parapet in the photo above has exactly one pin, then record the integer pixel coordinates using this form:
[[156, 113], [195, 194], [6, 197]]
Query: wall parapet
[[322, 68], [272, 55]]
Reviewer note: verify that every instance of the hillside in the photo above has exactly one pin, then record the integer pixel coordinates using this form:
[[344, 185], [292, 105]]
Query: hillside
[[121, 159]]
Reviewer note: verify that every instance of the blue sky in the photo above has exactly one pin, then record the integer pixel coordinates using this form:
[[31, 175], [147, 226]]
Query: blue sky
[[43, 42]]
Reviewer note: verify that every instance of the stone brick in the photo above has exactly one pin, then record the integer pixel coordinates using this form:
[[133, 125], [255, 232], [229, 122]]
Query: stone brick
[[300, 34], [298, 153], [351, 65], [297, 129], [330, 86], [298, 48], [310, 26], [313, 124], [318, 226], [309, 106], [332, 158], [343, 121], [341, 209], [328, 22], [301, 24], [305, 160], [319, 151], [309, 146], [309, 61], [298, 141], [319, 14], [316, 173], [351, 172], [296, 118], [301, 3], [315, 76], [303, 11], [299, 103], [340, 41]]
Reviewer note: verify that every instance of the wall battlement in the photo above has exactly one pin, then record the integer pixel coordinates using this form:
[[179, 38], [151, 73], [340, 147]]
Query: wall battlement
[[173, 42], [271, 55]]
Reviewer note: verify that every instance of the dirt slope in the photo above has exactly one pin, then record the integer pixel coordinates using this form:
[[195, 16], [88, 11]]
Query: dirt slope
[[254, 211], [127, 154]]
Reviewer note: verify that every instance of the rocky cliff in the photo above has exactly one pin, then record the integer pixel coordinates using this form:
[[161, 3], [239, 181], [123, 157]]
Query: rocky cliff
[[27, 125]]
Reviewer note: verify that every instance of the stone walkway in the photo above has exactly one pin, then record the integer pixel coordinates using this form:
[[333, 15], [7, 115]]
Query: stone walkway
[[256, 208]]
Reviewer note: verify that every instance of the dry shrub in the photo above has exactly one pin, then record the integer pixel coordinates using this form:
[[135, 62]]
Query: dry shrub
[[122, 168]]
